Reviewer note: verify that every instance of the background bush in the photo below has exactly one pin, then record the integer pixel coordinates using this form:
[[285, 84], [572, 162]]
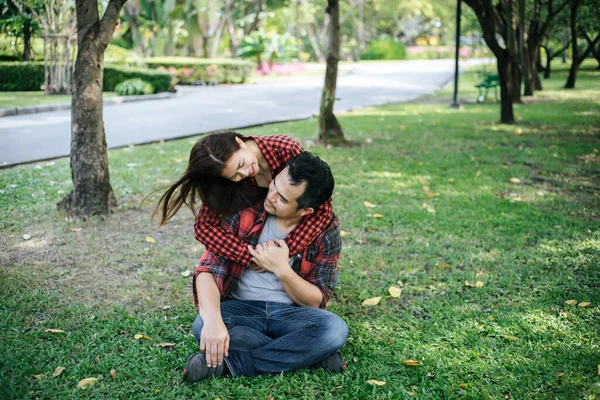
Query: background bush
[[190, 70], [133, 87], [385, 48], [29, 76]]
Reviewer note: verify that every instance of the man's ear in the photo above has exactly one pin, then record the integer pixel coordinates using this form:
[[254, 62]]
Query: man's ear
[[306, 211], [240, 141]]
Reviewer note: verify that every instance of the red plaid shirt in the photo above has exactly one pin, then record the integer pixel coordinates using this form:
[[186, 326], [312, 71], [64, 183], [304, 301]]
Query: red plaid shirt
[[278, 150], [317, 264]]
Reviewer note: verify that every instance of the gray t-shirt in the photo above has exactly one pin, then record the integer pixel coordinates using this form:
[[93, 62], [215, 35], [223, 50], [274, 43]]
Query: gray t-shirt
[[262, 286]]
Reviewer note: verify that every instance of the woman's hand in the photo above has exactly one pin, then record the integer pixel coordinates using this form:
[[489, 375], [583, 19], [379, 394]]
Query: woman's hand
[[214, 341]]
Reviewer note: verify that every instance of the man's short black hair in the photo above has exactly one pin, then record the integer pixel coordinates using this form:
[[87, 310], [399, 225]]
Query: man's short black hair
[[309, 168]]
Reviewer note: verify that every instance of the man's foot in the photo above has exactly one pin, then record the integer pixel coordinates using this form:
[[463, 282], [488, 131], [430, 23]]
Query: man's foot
[[195, 368], [333, 363]]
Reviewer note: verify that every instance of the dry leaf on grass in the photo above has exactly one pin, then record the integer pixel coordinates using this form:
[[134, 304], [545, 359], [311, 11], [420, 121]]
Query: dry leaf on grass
[[55, 331], [515, 180], [429, 208], [150, 239], [373, 301], [26, 236], [444, 266], [113, 374], [38, 377], [584, 304], [58, 371], [411, 363], [377, 215], [478, 274], [139, 336], [479, 284], [395, 291], [375, 382], [477, 174], [84, 383], [166, 345], [370, 205], [343, 233], [510, 337], [75, 229], [571, 302]]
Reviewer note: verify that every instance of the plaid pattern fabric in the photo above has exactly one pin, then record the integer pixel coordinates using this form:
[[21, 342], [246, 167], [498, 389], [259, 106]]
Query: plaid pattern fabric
[[317, 264], [277, 150]]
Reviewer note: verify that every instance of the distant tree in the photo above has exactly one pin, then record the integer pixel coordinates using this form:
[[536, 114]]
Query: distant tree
[[498, 19], [16, 20], [584, 18], [330, 130], [92, 192]]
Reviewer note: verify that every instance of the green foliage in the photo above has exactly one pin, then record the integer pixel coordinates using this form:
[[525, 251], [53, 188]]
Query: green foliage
[[253, 46], [259, 47], [385, 48], [20, 76], [191, 70], [134, 87]]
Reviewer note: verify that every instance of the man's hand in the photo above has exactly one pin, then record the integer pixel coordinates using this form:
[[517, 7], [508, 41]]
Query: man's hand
[[214, 341], [274, 256], [255, 267]]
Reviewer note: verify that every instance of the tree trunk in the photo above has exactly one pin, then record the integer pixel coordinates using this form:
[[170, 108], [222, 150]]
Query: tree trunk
[[330, 130], [531, 75], [512, 45], [574, 62], [314, 43], [361, 28], [547, 70], [256, 21], [92, 192], [506, 76], [26, 40]]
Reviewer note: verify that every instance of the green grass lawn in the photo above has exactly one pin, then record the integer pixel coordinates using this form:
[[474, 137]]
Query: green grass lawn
[[488, 230], [23, 99]]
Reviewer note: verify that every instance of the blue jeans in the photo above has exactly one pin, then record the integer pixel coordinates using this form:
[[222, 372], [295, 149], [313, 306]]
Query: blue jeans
[[269, 337]]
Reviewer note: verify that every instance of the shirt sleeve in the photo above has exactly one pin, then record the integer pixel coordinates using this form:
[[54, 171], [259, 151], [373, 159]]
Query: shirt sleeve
[[325, 265], [310, 228], [219, 241]]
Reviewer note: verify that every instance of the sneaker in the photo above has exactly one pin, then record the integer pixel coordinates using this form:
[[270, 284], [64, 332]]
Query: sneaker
[[195, 368], [332, 363]]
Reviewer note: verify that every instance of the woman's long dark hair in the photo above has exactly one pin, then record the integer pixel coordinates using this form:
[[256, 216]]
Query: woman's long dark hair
[[202, 179]]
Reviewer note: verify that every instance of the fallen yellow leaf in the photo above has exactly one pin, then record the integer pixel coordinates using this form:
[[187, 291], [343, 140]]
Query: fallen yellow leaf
[[395, 291], [571, 302], [150, 239], [165, 345], [477, 174], [515, 180], [411, 363], [58, 371], [510, 337], [377, 215], [139, 336], [421, 181], [343, 233], [479, 284], [54, 330], [463, 384], [75, 229], [375, 382], [429, 208], [469, 284], [478, 274], [84, 383], [113, 374], [444, 266], [38, 377], [584, 304], [370, 205], [373, 301]]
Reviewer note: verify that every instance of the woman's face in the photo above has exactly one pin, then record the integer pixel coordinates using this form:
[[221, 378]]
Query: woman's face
[[242, 164]]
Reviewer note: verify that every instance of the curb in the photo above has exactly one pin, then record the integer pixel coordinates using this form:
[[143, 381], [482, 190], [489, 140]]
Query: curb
[[7, 112]]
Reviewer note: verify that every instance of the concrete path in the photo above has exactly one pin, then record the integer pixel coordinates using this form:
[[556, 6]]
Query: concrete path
[[33, 137]]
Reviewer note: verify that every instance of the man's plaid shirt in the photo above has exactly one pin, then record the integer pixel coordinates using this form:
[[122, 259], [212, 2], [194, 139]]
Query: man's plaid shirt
[[317, 264], [278, 150]]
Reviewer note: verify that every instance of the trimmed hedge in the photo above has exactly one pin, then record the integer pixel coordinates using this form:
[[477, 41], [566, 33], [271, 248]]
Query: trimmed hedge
[[29, 76], [190, 70], [385, 48]]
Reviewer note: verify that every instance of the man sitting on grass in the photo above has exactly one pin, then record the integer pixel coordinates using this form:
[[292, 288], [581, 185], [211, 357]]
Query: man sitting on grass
[[272, 316]]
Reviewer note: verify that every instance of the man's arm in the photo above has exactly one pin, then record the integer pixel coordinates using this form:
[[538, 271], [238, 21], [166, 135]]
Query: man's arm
[[274, 257], [214, 338]]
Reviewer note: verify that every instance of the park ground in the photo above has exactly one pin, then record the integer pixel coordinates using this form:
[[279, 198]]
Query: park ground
[[491, 232]]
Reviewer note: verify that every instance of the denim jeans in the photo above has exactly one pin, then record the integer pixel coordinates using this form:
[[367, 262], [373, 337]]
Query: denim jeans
[[269, 337]]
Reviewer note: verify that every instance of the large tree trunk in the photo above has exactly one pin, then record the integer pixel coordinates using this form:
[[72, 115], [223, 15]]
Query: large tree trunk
[[575, 51], [26, 40], [330, 130], [512, 45], [532, 80], [92, 192], [506, 76]]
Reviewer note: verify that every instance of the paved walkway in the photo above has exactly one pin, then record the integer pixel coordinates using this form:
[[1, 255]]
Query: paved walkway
[[32, 137]]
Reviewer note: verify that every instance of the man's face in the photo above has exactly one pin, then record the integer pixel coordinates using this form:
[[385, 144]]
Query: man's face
[[282, 198]]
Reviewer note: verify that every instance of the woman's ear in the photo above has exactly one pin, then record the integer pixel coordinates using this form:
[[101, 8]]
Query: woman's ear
[[240, 141]]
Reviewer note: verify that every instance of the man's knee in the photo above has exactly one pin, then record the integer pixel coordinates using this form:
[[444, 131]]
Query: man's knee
[[198, 325], [335, 332]]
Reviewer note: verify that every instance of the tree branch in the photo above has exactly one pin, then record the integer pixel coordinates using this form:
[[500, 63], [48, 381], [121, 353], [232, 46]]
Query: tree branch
[[109, 21]]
